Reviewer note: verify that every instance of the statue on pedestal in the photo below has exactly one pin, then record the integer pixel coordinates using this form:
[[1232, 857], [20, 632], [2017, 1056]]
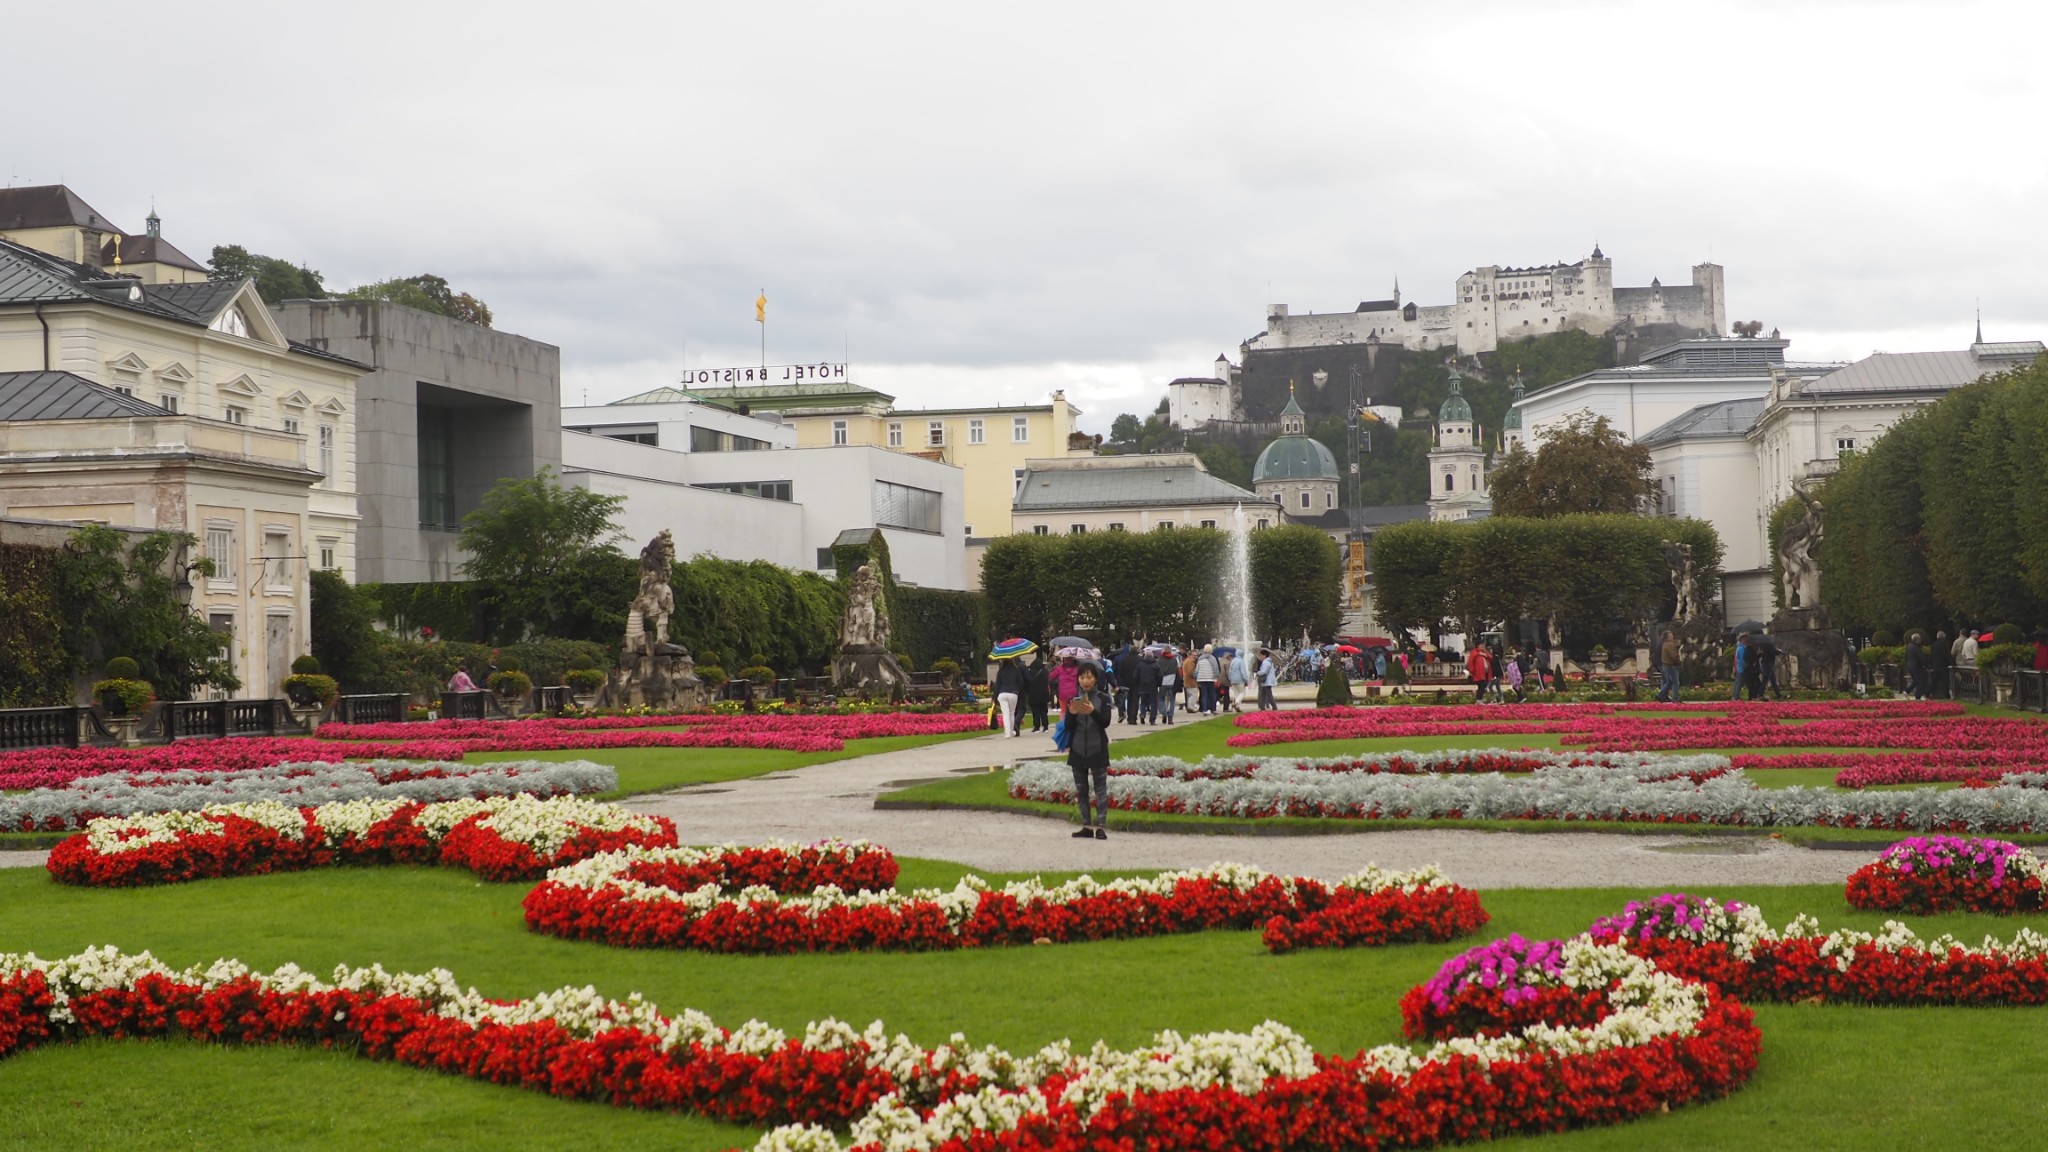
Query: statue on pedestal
[[1796, 547], [1819, 655], [1685, 590], [864, 663], [651, 670]]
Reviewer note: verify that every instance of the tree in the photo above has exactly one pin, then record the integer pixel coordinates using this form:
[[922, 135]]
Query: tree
[[1297, 573], [1125, 430], [121, 600], [345, 638], [276, 279], [529, 540], [428, 293], [1582, 465]]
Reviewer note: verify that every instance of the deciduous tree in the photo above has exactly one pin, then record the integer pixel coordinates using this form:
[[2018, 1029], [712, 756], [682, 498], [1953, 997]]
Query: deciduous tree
[[529, 539], [1582, 465]]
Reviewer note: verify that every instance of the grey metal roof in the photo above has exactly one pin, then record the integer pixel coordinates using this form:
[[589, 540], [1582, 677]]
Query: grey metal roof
[[1727, 418], [28, 281], [48, 206], [156, 250], [194, 303], [1295, 458], [65, 396], [1126, 488], [1381, 515], [1925, 371]]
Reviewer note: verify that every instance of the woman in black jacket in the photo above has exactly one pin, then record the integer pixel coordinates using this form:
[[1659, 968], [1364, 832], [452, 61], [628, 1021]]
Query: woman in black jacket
[[1037, 693], [1009, 689], [1088, 716]]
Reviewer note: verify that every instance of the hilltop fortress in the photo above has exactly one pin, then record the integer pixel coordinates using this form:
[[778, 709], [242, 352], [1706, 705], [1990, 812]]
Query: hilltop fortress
[[1497, 304]]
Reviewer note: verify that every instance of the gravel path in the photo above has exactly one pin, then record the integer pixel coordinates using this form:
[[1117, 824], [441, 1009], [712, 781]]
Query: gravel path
[[837, 799]]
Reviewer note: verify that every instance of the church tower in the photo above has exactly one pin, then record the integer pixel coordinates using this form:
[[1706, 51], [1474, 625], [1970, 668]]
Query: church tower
[[1511, 424], [1457, 464]]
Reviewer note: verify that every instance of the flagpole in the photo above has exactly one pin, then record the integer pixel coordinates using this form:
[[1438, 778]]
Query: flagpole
[[764, 337]]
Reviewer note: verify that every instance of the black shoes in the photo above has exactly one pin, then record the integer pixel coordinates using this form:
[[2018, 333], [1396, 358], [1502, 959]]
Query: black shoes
[[1086, 833], [1102, 833]]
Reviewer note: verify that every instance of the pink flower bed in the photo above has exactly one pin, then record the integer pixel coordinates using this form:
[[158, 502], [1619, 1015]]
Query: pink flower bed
[[57, 767]]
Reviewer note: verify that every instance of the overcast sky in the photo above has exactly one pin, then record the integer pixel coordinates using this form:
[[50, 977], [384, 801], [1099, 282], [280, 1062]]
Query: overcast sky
[[977, 204]]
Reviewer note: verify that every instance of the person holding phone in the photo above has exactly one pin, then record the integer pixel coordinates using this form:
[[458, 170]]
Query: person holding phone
[[1088, 713]]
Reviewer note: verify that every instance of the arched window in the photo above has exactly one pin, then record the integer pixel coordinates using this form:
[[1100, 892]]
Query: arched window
[[1304, 498], [1450, 482]]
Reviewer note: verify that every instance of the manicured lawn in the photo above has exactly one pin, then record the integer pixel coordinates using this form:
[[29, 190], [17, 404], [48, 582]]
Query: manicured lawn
[[656, 769], [1832, 1077]]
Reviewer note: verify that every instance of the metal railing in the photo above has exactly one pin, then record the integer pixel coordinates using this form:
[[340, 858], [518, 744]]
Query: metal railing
[[379, 708], [552, 700], [1969, 684], [466, 705], [2030, 690]]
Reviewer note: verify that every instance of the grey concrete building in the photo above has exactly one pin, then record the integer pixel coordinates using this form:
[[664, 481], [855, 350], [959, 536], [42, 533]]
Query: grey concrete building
[[448, 410]]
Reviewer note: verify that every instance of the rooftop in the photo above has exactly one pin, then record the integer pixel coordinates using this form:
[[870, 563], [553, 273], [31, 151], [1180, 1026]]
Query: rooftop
[[1925, 371], [49, 206], [65, 396], [1141, 481], [1727, 418]]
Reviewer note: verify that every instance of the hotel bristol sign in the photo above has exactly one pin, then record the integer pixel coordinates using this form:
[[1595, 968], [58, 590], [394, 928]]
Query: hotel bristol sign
[[819, 373]]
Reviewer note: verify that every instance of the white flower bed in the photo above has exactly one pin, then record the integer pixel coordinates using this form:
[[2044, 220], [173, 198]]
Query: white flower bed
[[1641, 765], [296, 785], [1636, 791], [542, 824]]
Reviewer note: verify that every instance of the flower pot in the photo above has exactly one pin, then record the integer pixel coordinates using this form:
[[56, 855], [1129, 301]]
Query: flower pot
[[112, 704]]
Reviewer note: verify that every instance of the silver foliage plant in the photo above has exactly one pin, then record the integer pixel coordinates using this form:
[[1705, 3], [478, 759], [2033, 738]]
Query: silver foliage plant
[[299, 784], [1631, 787]]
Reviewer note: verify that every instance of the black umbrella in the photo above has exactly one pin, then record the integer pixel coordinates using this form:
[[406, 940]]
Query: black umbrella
[[1069, 642], [2039, 636], [1746, 626], [1764, 640]]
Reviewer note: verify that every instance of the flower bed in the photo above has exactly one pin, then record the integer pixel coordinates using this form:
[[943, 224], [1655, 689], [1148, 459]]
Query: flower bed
[[634, 899], [1732, 946], [1454, 761], [74, 805], [1646, 791], [1660, 1043], [1932, 874], [797, 733], [1610, 727], [57, 767], [504, 838]]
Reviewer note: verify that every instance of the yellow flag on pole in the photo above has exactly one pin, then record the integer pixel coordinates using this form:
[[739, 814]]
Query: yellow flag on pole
[[761, 309]]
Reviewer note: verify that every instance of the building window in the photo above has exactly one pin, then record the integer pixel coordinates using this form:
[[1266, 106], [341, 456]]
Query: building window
[[1304, 500], [974, 434], [437, 468], [1330, 498], [223, 625], [236, 415], [1262, 523], [327, 449], [967, 530], [763, 489], [329, 552], [711, 439], [838, 432], [1845, 443], [124, 389], [896, 434], [1116, 526], [1040, 530], [1020, 430], [277, 564], [825, 561], [1450, 482], [1016, 482], [935, 434], [168, 401], [220, 549], [291, 425], [902, 506], [1077, 529], [1208, 523]]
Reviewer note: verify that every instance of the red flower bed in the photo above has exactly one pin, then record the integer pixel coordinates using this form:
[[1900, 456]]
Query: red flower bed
[[56, 767], [1928, 875], [796, 733], [636, 903]]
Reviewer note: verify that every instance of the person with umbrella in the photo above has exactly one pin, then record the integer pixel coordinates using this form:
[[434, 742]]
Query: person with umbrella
[[1166, 666], [1124, 671], [1010, 686], [1767, 666], [1038, 692], [1144, 688]]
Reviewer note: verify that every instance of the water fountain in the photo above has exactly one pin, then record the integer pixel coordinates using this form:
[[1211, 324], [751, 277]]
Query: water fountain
[[1237, 584]]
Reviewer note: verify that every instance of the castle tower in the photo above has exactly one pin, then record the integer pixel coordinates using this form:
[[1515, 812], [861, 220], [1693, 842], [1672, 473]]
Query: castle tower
[[1457, 464]]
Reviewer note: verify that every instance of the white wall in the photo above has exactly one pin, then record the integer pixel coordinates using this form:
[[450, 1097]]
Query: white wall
[[1715, 479], [673, 422], [1637, 401]]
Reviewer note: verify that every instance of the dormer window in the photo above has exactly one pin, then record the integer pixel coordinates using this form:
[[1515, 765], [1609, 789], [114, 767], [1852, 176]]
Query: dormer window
[[232, 322]]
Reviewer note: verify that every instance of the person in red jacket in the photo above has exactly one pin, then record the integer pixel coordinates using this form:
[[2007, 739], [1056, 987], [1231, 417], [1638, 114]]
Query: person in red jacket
[[1479, 666]]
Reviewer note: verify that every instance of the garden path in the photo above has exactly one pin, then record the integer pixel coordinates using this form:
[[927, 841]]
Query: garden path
[[837, 799]]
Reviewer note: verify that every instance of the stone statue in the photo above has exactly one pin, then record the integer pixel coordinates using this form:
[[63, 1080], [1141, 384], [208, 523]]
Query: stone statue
[[1796, 547], [866, 625], [864, 664], [647, 618], [1685, 591]]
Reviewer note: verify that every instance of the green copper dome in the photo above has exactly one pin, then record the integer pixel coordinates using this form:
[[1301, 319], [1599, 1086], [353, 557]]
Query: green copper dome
[[1455, 408], [1295, 458], [1514, 416]]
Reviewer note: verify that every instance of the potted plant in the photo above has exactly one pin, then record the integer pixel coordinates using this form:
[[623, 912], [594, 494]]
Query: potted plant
[[583, 679], [510, 684], [123, 693]]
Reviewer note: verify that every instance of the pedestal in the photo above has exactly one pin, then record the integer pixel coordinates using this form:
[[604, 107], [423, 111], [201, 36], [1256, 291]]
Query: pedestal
[[308, 719], [1819, 655], [869, 671], [665, 682], [124, 729]]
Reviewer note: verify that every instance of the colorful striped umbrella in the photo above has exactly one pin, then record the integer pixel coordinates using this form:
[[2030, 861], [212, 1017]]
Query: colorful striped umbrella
[[1012, 648]]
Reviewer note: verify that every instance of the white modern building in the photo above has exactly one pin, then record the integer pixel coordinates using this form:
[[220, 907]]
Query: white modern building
[[1668, 383], [736, 487]]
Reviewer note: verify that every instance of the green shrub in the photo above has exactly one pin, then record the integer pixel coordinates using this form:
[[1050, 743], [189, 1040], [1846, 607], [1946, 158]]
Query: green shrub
[[123, 668], [712, 675], [581, 661], [2008, 634], [509, 663], [2019, 655], [511, 683], [949, 668], [1334, 689], [304, 686], [306, 666], [583, 681], [759, 674], [134, 696], [1397, 673], [1884, 638], [903, 658], [547, 660]]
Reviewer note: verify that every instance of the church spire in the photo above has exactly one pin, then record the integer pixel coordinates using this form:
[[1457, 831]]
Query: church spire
[[1980, 325]]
